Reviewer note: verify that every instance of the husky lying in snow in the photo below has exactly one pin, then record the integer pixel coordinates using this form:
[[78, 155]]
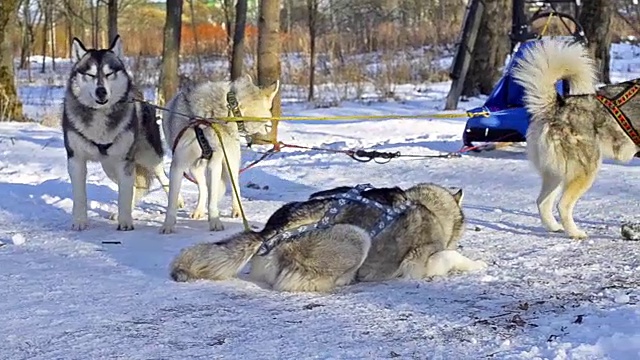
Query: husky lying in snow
[[207, 100], [340, 236]]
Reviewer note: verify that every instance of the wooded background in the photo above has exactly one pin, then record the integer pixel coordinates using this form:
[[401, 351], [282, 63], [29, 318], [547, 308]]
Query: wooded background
[[302, 42]]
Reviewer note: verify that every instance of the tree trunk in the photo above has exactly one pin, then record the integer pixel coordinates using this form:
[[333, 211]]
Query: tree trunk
[[95, 28], [171, 51], [112, 19], [52, 39], [196, 44], [45, 38], [237, 56], [10, 106], [312, 7], [269, 54], [228, 21], [25, 46], [596, 17], [491, 50]]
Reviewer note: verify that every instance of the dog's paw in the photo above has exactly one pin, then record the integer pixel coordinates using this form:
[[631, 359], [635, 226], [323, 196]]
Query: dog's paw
[[125, 227], [215, 224], [235, 212], [79, 225], [113, 215], [556, 229], [553, 226], [478, 265], [167, 229], [578, 234], [125, 224], [197, 214]]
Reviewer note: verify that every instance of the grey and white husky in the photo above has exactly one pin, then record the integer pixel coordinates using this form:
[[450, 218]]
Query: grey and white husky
[[210, 100], [381, 234], [570, 135], [101, 122]]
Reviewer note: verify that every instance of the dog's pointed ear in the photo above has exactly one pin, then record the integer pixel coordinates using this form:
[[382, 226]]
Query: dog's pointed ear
[[458, 195], [78, 49], [270, 91], [116, 46]]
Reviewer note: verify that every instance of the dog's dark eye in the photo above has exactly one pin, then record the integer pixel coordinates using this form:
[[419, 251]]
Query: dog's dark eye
[[110, 74], [89, 75]]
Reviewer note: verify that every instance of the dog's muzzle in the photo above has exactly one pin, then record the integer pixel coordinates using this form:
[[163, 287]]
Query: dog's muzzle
[[101, 95]]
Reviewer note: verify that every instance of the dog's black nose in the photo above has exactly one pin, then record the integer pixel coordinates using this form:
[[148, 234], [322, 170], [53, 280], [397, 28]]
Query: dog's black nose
[[101, 93]]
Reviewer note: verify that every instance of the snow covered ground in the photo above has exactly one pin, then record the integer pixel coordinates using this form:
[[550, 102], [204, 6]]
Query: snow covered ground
[[68, 295]]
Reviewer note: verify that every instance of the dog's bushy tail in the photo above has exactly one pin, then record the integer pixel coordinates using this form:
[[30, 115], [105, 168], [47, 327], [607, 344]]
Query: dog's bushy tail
[[546, 62], [216, 261]]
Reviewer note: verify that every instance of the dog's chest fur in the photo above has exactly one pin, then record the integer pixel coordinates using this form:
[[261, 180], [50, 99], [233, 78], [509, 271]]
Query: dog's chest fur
[[83, 126]]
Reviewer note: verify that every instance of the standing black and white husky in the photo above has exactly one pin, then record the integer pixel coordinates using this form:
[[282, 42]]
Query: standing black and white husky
[[100, 122]]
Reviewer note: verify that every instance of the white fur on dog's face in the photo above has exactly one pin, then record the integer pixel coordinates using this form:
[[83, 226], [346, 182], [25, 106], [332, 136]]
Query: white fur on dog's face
[[100, 76], [259, 106]]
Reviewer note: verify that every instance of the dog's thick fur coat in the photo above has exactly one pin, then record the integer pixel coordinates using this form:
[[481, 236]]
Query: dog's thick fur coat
[[420, 243], [568, 137], [209, 100], [101, 122]]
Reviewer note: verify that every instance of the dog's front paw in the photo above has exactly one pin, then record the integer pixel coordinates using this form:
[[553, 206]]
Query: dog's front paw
[[556, 229], [577, 234], [125, 227], [235, 212], [79, 225], [167, 229], [125, 224], [478, 265], [197, 214], [215, 224]]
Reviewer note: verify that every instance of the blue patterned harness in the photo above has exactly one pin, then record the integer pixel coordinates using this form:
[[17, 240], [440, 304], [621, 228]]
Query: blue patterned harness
[[340, 201]]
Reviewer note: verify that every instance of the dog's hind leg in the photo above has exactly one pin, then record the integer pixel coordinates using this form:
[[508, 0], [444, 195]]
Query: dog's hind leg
[[551, 185], [573, 191], [199, 172], [77, 169], [324, 260], [297, 280]]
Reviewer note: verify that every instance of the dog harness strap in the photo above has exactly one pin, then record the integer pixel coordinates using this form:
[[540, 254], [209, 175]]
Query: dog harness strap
[[627, 95], [207, 151], [620, 117], [390, 214], [234, 109], [102, 148]]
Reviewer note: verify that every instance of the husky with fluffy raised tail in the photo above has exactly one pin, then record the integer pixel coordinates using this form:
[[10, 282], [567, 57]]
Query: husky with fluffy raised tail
[[569, 136], [340, 236], [197, 149], [101, 122]]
